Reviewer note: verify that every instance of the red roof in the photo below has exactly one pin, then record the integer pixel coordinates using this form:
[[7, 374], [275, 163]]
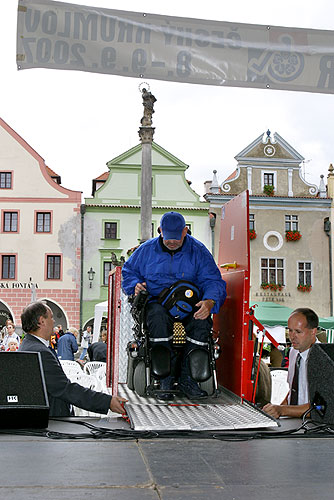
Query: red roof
[[102, 177], [51, 172], [230, 177]]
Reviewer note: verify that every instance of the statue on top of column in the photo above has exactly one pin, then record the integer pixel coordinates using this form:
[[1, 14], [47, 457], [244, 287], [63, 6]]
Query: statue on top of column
[[148, 103]]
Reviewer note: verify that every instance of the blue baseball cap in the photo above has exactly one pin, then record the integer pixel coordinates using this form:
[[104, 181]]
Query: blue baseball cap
[[172, 225]]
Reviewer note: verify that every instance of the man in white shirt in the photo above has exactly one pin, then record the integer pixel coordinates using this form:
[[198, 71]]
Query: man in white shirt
[[303, 325]]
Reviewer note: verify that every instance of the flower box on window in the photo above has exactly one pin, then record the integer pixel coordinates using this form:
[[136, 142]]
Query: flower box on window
[[269, 190], [252, 234], [272, 286], [292, 235], [304, 288]]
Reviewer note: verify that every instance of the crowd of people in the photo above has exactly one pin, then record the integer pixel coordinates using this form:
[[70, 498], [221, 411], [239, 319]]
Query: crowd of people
[[9, 339], [64, 343]]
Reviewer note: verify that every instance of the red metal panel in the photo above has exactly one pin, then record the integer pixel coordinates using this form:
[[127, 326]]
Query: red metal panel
[[235, 363], [113, 327]]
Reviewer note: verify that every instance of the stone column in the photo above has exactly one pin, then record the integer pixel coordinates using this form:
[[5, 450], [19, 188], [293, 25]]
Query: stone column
[[146, 132], [330, 232]]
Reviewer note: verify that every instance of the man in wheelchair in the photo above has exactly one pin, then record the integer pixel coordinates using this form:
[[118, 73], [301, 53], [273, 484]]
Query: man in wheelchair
[[168, 261]]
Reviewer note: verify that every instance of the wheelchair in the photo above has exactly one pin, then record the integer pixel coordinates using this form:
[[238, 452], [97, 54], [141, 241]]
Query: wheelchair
[[147, 364]]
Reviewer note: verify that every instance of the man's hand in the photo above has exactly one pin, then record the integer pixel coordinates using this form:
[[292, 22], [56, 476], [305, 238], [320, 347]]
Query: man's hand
[[116, 404], [204, 310], [273, 410], [285, 410], [139, 287]]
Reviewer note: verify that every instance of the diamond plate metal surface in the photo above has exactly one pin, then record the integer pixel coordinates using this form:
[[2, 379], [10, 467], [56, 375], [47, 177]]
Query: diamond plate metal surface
[[196, 417], [126, 334], [226, 412]]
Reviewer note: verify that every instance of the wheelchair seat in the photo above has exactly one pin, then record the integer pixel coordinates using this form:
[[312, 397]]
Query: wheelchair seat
[[147, 363]]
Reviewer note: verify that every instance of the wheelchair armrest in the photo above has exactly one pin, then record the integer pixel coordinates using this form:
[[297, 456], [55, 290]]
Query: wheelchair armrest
[[139, 300]]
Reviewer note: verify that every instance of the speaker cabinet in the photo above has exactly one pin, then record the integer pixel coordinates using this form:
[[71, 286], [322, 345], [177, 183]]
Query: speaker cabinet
[[320, 373], [23, 397]]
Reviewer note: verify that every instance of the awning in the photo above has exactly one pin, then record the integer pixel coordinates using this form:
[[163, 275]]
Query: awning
[[100, 309], [273, 314]]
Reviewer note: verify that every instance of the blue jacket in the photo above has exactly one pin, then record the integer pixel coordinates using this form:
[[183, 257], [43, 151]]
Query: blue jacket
[[159, 269], [67, 346]]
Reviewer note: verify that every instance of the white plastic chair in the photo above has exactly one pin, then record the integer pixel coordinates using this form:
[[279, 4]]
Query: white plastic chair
[[279, 386], [101, 375], [91, 382], [68, 363], [91, 367], [72, 369]]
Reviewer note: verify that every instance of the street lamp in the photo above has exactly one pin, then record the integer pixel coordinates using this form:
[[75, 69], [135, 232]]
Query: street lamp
[[91, 274]]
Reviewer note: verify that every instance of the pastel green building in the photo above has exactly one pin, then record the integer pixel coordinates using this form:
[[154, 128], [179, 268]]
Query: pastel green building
[[111, 223]]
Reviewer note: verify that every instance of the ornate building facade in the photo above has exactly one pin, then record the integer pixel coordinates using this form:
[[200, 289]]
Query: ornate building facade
[[39, 234], [290, 245]]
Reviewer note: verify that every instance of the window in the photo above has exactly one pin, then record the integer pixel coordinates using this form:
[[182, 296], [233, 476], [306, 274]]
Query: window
[[272, 271], [291, 222], [53, 267], [107, 267], [8, 267], [43, 222], [251, 222], [268, 179], [110, 230], [189, 226], [10, 222], [304, 273], [5, 180]]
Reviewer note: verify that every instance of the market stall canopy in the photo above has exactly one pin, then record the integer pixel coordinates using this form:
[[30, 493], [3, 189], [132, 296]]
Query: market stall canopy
[[327, 323], [273, 314]]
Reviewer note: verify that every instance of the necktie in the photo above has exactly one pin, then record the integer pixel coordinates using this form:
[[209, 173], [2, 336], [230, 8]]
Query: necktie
[[294, 388]]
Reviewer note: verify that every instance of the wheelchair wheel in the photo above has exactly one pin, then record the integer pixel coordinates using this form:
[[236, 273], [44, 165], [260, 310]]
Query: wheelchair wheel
[[139, 379], [208, 386], [129, 375]]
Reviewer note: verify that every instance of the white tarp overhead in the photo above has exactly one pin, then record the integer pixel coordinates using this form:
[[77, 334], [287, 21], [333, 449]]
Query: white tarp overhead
[[59, 35], [100, 310], [277, 332]]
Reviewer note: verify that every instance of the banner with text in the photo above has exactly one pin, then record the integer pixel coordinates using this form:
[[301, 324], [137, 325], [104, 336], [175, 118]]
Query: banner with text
[[59, 35]]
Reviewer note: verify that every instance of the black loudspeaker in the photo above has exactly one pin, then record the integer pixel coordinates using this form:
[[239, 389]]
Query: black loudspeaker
[[24, 401], [320, 373]]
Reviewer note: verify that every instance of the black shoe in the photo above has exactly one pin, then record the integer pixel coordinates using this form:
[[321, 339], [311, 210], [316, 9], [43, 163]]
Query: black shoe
[[191, 389], [166, 384]]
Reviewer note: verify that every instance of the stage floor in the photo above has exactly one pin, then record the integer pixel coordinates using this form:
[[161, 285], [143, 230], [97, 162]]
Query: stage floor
[[175, 465]]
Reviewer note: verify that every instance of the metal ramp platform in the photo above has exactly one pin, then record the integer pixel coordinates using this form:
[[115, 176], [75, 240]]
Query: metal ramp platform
[[222, 413]]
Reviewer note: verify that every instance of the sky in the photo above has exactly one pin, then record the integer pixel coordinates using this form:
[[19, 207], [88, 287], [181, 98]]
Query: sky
[[79, 121]]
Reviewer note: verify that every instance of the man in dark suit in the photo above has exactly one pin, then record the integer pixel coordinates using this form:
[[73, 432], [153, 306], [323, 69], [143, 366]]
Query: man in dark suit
[[37, 322]]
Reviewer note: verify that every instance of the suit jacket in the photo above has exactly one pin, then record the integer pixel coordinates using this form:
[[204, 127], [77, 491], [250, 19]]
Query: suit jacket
[[61, 391]]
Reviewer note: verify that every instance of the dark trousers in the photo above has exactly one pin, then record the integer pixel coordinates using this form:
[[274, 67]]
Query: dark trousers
[[160, 326]]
